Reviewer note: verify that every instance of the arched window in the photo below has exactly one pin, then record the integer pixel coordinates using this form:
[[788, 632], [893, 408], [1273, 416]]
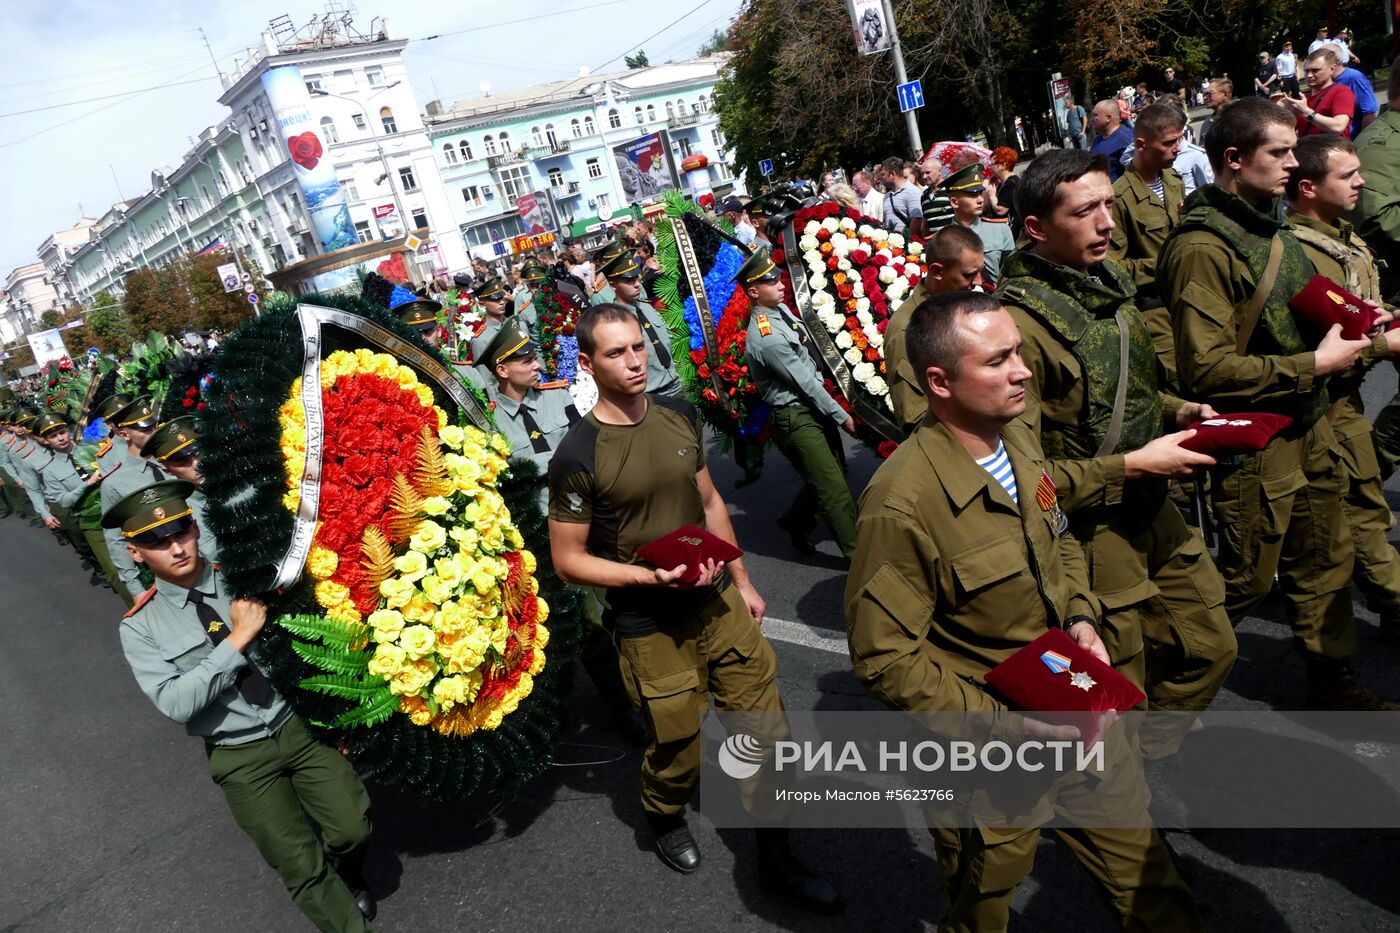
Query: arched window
[[449, 154], [329, 132], [207, 200], [704, 104], [637, 113], [670, 111], [490, 142], [386, 117], [536, 136], [576, 128], [466, 150], [614, 119], [588, 126], [550, 136], [505, 142], [680, 107], [221, 183], [651, 113]]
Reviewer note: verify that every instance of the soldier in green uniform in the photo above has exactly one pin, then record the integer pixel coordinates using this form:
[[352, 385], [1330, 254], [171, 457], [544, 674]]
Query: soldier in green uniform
[[532, 276], [73, 498], [630, 471], [495, 303], [132, 425], [790, 384], [965, 558], [624, 275], [194, 651], [172, 446], [25, 457], [954, 257], [1148, 199], [1226, 274], [602, 287], [1322, 189], [422, 316], [12, 441], [1097, 403]]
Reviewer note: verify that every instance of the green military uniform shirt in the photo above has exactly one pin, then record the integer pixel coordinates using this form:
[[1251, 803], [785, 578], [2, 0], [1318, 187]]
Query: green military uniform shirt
[[661, 364], [906, 388], [31, 461], [190, 679], [536, 424], [199, 507], [604, 294], [63, 482], [781, 366], [128, 475], [489, 329], [1377, 212], [1142, 222]]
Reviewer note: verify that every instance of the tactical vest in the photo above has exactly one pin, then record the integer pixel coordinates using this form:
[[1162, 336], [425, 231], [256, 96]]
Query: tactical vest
[[1094, 342], [1363, 279], [1276, 332]]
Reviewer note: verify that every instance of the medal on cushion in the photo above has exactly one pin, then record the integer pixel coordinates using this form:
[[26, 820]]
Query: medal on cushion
[[1059, 664]]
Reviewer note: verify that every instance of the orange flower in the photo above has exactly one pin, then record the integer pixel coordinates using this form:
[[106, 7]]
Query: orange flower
[[839, 278], [859, 339]]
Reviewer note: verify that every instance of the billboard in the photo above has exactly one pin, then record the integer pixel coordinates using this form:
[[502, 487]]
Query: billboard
[[390, 224], [47, 346], [536, 216], [868, 23], [1059, 105], [646, 167], [315, 172]]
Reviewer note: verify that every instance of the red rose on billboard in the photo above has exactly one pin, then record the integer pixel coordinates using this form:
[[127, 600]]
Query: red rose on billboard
[[305, 149]]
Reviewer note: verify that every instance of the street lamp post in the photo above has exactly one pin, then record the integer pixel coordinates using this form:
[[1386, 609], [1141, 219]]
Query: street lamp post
[[383, 160]]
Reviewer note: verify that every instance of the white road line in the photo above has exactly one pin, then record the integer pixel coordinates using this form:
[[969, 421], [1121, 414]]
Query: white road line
[[797, 633]]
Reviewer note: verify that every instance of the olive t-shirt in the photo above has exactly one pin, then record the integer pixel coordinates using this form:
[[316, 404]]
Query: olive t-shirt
[[631, 484]]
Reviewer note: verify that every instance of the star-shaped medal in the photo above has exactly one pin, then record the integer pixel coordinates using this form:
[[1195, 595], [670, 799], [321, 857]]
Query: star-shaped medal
[[215, 626], [1081, 680]]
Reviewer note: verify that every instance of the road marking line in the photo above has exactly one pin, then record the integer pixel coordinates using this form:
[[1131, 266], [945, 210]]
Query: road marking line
[[797, 633]]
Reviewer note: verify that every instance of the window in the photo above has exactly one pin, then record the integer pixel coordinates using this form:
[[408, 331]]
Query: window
[[313, 84], [670, 111], [680, 107], [651, 112], [683, 145], [536, 136], [717, 138], [375, 76], [515, 181], [449, 154], [550, 136], [505, 142], [420, 218], [614, 119], [221, 183], [722, 171], [208, 201], [704, 104], [575, 128], [344, 80], [637, 114], [472, 195], [362, 231], [348, 188], [602, 200], [595, 168], [465, 148], [386, 117], [359, 121], [556, 178], [490, 142], [407, 180], [588, 126], [328, 131]]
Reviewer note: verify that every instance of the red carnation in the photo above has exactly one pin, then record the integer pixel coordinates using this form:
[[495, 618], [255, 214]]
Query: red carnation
[[832, 263], [872, 355], [823, 234], [697, 356]]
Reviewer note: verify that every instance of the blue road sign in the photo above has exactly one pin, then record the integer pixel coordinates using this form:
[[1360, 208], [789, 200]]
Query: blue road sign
[[911, 96], [765, 166], [253, 298]]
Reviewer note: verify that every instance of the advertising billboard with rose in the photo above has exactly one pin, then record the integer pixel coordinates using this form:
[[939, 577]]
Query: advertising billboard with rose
[[315, 172], [645, 167]]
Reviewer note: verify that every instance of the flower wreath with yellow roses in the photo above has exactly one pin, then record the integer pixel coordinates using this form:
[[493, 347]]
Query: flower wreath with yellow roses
[[424, 631]]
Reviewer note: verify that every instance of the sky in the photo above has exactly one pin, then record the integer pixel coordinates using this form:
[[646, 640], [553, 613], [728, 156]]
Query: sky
[[72, 132]]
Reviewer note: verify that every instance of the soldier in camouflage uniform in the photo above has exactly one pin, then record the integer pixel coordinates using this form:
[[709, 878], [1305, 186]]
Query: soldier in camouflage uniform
[[1226, 275], [1095, 399]]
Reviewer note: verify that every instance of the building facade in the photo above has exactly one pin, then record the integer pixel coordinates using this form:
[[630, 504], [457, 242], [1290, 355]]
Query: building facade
[[28, 295]]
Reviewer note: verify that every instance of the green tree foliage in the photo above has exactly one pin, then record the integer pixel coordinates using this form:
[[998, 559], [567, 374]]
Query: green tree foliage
[[106, 322], [157, 299], [210, 305], [638, 60], [50, 318], [718, 42]]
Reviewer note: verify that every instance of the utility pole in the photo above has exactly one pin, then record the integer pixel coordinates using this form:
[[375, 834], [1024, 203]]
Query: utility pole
[[911, 120], [210, 50]]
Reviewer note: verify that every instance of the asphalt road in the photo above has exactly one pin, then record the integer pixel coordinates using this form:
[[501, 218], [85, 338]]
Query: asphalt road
[[111, 823]]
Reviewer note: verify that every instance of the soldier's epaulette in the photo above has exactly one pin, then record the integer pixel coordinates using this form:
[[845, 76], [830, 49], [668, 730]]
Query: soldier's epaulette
[[140, 603], [556, 384], [27, 453], [103, 447]]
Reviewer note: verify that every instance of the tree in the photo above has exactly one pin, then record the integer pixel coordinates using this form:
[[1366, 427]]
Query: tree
[[50, 318], [107, 324], [210, 305], [637, 61], [718, 42], [157, 299]]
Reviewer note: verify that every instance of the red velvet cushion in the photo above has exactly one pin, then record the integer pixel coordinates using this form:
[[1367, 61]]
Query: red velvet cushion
[[690, 545], [1244, 432], [1030, 683], [1324, 303]]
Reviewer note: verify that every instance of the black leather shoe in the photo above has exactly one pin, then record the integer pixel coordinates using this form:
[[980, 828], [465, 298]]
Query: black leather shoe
[[367, 904], [798, 536], [678, 849], [784, 874]]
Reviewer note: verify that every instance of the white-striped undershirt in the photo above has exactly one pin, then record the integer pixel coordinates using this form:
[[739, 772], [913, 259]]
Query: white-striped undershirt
[[999, 465]]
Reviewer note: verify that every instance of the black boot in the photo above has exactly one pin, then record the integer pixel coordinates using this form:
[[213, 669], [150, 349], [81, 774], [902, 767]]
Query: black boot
[[780, 872], [351, 868], [1332, 686], [798, 536], [674, 843]]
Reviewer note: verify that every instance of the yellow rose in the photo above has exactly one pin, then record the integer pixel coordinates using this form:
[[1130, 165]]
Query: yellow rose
[[411, 565], [474, 452], [417, 641], [482, 580], [322, 563], [387, 623], [427, 537], [499, 444], [449, 571], [452, 436], [435, 505], [435, 589], [450, 690], [329, 593], [412, 678], [467, 652], [493, 539], [466, 537], [396, 593], [421, 716], [419, 609], [387, 660], [500, 631], [515, 540]]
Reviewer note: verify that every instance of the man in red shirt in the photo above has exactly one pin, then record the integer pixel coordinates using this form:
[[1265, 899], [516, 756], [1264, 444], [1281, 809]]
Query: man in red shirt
[[1329, 106]]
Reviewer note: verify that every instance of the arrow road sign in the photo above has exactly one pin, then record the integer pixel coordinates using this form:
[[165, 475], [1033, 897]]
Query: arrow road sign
[[911, 96]]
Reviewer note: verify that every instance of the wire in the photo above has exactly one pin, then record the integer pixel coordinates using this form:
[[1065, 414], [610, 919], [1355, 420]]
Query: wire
[[526, 19], [144, 67], [655, 34], [88, 100]]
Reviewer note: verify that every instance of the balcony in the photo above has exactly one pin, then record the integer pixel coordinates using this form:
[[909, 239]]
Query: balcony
[[683, 120], [505, 158], [566, 189]]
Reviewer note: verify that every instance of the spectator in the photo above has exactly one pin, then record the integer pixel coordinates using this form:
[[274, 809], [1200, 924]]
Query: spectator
[[1113, 136], [936, 208], [1074, 123], [1360, 87], [1001, 196], [901, 198], [1192, 165], [733, 211], [827, 180], [1287, 66], [914, 175], [1339, 40], [1175, 88], [1141, 97], [1266, 76], [1219, 93], [1329, 106], [872, 202], [846, 196]]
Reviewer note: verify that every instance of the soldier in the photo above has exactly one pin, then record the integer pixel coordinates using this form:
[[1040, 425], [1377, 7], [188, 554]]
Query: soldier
[[624, 275], [194, 651], [601, 288], [491, 295], [1226, 275], [1147, 203], [12, 441], [133, 425], [1096, 402], [74, 499], [422, 316], [954, 257], [630, 471], [964, 558], [965, 192], [172, 446], [26, 457], [532, 276], [1322, 189], [788, 379]]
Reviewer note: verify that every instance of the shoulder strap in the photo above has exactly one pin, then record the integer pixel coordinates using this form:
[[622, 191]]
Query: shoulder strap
[[140, 602], [1120, 395], [1261, 294]]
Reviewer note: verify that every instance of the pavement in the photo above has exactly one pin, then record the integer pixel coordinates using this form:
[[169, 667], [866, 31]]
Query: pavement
[[111, 822]]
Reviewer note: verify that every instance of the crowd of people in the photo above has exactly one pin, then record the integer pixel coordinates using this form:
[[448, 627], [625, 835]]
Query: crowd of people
[[1080, 323]]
